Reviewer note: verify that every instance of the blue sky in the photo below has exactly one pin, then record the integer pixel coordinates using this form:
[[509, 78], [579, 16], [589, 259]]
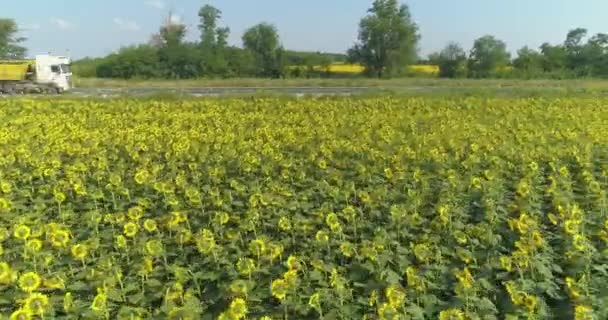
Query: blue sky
[[98, 27]]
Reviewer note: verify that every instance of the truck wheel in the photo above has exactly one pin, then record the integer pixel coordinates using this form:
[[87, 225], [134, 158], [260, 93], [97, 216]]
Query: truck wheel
[[7, 88]]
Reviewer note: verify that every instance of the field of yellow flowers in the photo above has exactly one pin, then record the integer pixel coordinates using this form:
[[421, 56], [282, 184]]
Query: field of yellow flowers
[[315, 208]]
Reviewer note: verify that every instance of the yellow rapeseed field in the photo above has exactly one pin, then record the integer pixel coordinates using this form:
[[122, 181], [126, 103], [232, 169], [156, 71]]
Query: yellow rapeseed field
[[430, 70], [317, 208]]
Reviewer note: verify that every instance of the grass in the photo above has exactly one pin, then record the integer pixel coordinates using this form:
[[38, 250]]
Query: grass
[[425, 87], [350, 82]]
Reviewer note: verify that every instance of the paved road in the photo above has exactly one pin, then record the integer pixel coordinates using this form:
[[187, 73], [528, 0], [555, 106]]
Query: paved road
[[218, 91]]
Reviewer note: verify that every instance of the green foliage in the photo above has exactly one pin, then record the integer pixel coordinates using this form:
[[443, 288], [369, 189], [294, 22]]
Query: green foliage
[[487, 57], [130, 62], [452, 61], [388, 39], [262, 41], [9, 41], [528, 63], [87, 67], [213, 44]]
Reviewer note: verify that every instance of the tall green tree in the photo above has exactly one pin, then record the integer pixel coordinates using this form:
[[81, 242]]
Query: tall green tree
[[452, 61], [528, 62], [214, 41], [177, 58], [388, 39], [554, 58], [262, 41], [487, 56], [578, 62], [10, 47], [596, 51]]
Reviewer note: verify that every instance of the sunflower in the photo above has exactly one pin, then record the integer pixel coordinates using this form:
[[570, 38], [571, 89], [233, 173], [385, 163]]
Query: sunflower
[[239, 287], [451, 314], [530, 302], [22, 232], [322, 236], [279, 289], [34, 245], [284, 224], [238, 309], [135, 213], [154, 247], [80, 251], [36, 303], [59, 197], [150, 225], [291, 277], [29, 281], [54, 283], [221, 218], [257, 246], [121, 241], [99, 302], [245, 266], [60, 238], [315, 301], [130, 229], [395, 296], [275, 250], [293, 263], [68, 302], [347, 249], [21, 314], [6, 274]]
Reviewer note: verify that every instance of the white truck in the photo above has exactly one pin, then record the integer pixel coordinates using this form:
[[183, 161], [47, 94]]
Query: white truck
[[44, 74]]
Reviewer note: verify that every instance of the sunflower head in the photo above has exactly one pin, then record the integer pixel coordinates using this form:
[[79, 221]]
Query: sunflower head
[[80, 251], [29, 281], [60, 238], [154, 247], [36, 303], [22, 232], [150, 225], [130, 229], [21, 314]]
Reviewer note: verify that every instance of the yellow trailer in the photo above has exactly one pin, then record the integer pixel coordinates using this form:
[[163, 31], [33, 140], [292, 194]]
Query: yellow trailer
[[16, 70], [46, 73]]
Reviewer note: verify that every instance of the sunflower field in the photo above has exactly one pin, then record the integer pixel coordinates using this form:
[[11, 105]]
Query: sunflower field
[[312, 208]]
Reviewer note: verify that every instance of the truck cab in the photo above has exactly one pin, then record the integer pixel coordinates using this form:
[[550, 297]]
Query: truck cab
[[54, 71]]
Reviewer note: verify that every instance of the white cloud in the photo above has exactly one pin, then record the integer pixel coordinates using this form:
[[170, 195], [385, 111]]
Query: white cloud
[[29, 27], [127, 25], [62, 23], [158, 4]]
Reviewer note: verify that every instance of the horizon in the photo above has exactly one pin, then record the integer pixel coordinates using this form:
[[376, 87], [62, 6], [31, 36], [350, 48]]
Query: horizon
[[95, 29]]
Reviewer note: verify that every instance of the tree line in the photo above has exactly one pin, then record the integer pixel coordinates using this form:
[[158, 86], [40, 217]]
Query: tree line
[[388, 41]]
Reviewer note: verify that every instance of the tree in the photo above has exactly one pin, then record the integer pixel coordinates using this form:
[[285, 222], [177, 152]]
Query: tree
[[528, 62], [554, 58], [214, 41], [433, 58], [177, 59], [209, 15], [596, 52], [9, 41], [140, 61], [487, 56], [577, 61], [452, 61], [262, 41], [388, 39], [172, 34]]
